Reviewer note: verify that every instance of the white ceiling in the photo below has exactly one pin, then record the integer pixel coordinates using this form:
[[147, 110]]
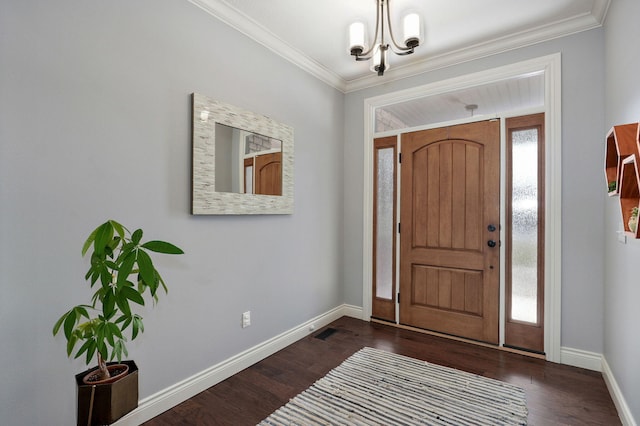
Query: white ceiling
[[313, 34]]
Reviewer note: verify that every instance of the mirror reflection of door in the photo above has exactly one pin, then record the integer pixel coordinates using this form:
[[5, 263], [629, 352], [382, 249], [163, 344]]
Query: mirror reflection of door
[[248, 175], [263, 174], [247, 162], [268, 174]]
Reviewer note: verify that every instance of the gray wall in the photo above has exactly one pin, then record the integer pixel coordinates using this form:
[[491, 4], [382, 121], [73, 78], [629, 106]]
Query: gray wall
[[95, 124], [582, 201], [622, 283]]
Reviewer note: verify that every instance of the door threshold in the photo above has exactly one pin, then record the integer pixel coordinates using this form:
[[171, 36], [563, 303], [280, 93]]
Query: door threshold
[[461, 339]]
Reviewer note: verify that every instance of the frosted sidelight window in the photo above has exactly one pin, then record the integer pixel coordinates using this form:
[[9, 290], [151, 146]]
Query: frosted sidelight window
[[384, 225], [524, 226]]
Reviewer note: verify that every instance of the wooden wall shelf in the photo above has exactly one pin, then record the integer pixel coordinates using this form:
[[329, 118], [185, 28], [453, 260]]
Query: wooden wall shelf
[[629, 193], [621, 142]]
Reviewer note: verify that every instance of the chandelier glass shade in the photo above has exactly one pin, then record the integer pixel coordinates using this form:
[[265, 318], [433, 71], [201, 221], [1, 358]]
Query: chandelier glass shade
[[383, 42]]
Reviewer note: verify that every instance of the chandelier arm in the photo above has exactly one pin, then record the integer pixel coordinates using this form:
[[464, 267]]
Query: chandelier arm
[[404, 52], [396, 48], [364, 56], [380, 17]]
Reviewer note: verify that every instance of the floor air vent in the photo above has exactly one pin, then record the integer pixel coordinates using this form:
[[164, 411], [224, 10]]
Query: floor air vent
[[323, 335]]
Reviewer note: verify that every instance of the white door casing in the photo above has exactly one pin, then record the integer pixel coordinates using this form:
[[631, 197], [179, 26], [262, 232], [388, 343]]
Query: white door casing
[[551, 66]]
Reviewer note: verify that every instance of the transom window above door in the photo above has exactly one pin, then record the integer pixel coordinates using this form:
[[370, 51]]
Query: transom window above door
[[518, 93]]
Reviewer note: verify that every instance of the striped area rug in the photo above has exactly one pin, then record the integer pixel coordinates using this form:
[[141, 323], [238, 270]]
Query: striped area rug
[[374, 387]]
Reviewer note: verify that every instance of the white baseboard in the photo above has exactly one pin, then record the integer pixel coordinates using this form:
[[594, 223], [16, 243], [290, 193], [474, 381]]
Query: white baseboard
[[353, 312], [164, 400], [580, 358], [597, 362], [616, 394]]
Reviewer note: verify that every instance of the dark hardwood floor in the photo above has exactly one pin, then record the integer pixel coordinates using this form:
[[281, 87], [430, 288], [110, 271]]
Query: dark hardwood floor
[[556, 394]]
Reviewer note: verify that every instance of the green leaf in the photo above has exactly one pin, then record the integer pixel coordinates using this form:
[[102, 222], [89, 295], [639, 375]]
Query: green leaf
[[94, 277], [112, 246], [125, 250], [126, 267], [91, 351], [125, 322], [118, 228], [69, 323], [103, 237], [153, 288], [83, 348], [100, 336], [105, 278], [71, 343], [136, 237], [97, 295], [166, 290], [134, 331], [114, 330], [147, 271], [88, 242], [132, 295], [58, 323], [81, 310], [123, 304], [162, 247], [117, 351], [112, 265], [137, 326], [109, 336], [97, 261], [108, 304]]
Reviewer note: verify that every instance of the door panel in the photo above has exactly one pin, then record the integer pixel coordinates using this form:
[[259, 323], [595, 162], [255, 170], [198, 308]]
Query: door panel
[[449, 276], [447, 289]]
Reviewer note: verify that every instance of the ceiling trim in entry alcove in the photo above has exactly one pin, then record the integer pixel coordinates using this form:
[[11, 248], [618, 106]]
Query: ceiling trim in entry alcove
[[453, 33], [551, 67]]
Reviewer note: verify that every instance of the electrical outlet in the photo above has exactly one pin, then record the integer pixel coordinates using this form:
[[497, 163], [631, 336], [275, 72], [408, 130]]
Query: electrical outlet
[[246, 319]]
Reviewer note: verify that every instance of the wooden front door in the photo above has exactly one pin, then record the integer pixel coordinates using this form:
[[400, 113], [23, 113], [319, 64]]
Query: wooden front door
[[450, 212]]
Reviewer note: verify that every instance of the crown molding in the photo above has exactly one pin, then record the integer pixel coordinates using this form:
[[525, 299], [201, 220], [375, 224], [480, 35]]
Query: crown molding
[[600, 9], [254, 30]]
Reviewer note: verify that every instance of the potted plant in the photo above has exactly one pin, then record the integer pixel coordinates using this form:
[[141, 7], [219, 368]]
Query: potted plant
[[122, 272]]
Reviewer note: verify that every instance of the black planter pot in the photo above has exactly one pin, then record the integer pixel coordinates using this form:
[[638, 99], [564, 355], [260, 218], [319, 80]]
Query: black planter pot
[[106, 403]]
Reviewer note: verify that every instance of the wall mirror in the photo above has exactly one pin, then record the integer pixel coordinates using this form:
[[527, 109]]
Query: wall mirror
[[242, 161]]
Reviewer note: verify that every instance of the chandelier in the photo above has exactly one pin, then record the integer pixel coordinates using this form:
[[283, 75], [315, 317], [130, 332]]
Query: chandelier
[[380, 46]]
